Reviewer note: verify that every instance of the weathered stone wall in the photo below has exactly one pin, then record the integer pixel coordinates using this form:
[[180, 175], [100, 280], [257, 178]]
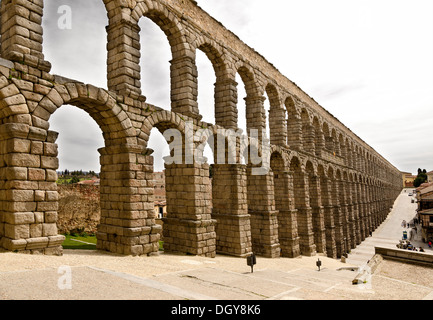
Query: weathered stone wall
[[79, 208], [325, 192]]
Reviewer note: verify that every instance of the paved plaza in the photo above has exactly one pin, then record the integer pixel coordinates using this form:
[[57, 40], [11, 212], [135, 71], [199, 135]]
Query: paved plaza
[[83, 275]]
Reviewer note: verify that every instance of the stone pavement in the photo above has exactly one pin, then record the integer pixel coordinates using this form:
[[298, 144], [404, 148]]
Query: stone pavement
[[94, 275]]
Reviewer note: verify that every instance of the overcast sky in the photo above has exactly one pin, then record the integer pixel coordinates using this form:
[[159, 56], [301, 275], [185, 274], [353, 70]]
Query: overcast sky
[[369, 63]]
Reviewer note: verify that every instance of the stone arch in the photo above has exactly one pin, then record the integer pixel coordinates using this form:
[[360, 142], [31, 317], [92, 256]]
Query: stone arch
[[317, 212], [337, 150], [115, 124], [124, 55], [349, 153], [353, 213], [308, 135], [261, 201], [123, 163], [229, 194], [277, 117], [40, 162], [364, 160], [284, 203], [176, 127], [302, 205], [345, 202], [248, 77], [319, 139], [325, 174], [278, 167], [294, 124], [162, 120], [360, 199], [225, 86], [13, 101], [343, 149], [361, 159], [188, 226], [299, 196], [369, 163], [329, 143], [254, 101], [338, 212]]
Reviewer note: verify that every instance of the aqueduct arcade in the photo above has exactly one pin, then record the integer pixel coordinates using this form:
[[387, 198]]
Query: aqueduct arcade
[[325, 189]]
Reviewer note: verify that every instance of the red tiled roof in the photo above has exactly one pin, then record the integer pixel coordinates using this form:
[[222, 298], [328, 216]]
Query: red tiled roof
[[426, 189], [93, 181], [424, 185]]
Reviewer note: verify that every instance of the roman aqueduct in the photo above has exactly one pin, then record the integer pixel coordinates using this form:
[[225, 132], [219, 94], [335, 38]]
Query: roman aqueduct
[[325, 192]]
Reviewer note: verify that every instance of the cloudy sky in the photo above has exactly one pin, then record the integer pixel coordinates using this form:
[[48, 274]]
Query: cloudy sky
[[369, 63]]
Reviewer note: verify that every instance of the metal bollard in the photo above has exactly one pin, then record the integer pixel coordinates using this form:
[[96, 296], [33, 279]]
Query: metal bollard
[[318, 263], [251, 261]]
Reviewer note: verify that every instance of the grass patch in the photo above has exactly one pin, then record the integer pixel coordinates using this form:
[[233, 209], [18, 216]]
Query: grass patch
[[72, 243]]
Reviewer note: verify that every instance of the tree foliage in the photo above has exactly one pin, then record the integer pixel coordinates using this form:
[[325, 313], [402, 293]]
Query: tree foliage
[[421, 178]]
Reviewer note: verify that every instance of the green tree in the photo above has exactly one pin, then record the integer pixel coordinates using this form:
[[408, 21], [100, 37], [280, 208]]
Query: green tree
[[421, 178], [74, 179]]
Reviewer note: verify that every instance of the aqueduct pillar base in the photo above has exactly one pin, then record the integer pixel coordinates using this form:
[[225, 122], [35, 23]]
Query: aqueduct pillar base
[[287, 233], [28, 189], [189, 227], [264, 217], [331, 248], [127, 224], [230, 210]]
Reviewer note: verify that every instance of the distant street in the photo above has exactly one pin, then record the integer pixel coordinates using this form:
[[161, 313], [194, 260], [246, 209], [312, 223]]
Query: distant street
[[390, 231]]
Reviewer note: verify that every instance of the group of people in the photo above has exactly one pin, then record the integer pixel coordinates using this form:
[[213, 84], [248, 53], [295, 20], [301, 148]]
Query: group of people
[[404, 244], [410, 247], [409, 224]]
